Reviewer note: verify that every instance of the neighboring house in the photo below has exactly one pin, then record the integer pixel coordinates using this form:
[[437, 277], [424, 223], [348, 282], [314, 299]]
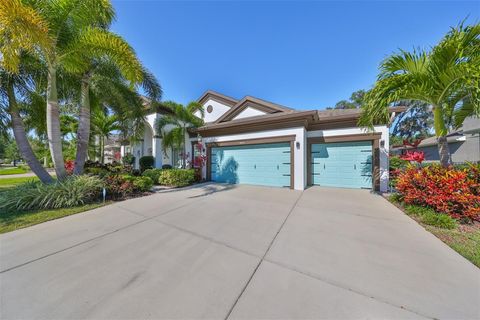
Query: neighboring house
[[464, 144], [253, 141]]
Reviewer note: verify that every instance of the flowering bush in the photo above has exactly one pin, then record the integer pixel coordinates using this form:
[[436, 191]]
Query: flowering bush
[[415, 156], [455, 192], [69, 166]]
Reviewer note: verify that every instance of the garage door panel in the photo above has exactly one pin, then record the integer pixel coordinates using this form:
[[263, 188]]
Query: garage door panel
[[265, 164], [342, 164]]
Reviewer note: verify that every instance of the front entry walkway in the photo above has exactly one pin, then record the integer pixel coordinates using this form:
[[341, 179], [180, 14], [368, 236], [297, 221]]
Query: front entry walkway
[[220, 251]]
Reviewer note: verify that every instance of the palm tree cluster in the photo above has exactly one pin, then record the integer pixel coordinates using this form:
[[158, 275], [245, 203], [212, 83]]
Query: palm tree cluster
[[60, 53], [447, 78]]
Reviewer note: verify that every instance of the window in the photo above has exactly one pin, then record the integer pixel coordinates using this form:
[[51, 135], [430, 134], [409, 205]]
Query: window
[[209, 108], [176, 159]]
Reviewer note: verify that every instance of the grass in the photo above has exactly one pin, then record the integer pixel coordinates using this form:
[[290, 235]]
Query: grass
[[11, 182], [12, 170], [11, 221], [463, 238], [465, 242]]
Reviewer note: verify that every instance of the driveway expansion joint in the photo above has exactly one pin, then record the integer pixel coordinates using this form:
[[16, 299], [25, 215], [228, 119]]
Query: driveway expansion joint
[[264, 255]]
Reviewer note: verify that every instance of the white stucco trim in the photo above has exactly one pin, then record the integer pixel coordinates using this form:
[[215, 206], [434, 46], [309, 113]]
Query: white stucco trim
[[384, 146], [299, 153]]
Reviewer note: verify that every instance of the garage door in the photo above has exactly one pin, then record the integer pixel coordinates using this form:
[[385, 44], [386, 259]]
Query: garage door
[[342, 164], [260, 164]]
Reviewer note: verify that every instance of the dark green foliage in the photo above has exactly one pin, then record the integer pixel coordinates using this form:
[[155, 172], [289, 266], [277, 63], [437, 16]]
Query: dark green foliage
[[166, 166], [397, 163], [74, 191], [153, 174], [146, 162], [177, 177], [128, 159]]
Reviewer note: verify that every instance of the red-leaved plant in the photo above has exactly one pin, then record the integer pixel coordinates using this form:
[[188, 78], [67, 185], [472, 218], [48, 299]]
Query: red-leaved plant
[[69, 166], [414, 156], [455, 192]]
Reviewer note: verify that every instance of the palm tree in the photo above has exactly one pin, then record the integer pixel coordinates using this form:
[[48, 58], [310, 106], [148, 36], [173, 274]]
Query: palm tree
[[103, 78], [103, 124], [447, 78], [74, 31], [19, 85], [182, 119]]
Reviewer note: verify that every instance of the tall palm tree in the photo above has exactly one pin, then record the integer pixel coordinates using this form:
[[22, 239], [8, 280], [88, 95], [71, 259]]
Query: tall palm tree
[[75, 31], [103, 125], [182, 119], [447, 78], [7, 90]]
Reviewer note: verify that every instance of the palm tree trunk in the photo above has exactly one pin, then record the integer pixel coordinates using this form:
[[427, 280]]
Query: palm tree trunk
[[102, 149], [83, 131], [53, 124], [441, 133], [21, 138]]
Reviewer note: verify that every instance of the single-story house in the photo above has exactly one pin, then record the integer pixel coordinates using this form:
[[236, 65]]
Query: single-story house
[[464, 144], [253, 141]]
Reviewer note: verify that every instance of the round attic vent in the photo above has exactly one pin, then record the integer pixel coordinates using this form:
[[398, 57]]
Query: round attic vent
[[209, 108]]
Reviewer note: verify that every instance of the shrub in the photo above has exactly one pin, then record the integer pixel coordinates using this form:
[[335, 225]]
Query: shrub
[[74, 191], [166, 166], [142, 184], [97, 171], [153, 174], [118, 186], [146, 162], [430, 217], [177, 177], [397, 163], [455, 192], [128, 159]]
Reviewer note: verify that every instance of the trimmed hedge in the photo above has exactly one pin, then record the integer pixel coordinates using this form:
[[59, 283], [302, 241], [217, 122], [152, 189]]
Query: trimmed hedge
[[177, 177], [143, 183], [146, 162]]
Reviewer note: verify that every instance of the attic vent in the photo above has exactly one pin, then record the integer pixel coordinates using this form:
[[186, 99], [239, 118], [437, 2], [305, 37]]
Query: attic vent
[[209, 108]]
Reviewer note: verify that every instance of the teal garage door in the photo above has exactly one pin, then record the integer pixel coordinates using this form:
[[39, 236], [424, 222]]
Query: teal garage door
[[342, 164], [260, 164]]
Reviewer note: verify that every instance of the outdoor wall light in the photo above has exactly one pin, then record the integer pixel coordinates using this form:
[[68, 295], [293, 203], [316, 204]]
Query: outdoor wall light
[[382, 143], [297, 144]]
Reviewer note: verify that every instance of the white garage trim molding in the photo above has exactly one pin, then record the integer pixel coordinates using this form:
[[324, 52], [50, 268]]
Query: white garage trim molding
[[254, 122]]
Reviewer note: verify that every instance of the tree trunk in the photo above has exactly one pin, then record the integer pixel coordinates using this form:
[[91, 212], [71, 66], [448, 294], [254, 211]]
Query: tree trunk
[[444, 151], [102, 149], [441, 133], [21, 138], [83, 131], [53, 125]]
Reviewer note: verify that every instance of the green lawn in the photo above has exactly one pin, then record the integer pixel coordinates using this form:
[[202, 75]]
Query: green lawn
[[463, 238], [17, 220], [11, 182], [12, 170], [466, 241]]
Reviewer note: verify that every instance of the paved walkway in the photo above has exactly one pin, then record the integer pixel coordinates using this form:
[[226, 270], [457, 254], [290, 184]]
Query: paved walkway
[[218, 252]]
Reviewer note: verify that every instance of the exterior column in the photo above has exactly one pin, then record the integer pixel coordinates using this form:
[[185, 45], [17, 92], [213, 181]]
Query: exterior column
[[157, 151]]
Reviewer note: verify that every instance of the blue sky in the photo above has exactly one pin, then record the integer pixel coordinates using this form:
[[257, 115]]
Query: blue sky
[[305, 55]]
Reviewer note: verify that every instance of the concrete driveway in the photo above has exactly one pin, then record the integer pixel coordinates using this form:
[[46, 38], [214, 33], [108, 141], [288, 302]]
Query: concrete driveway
[[237, 252]]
